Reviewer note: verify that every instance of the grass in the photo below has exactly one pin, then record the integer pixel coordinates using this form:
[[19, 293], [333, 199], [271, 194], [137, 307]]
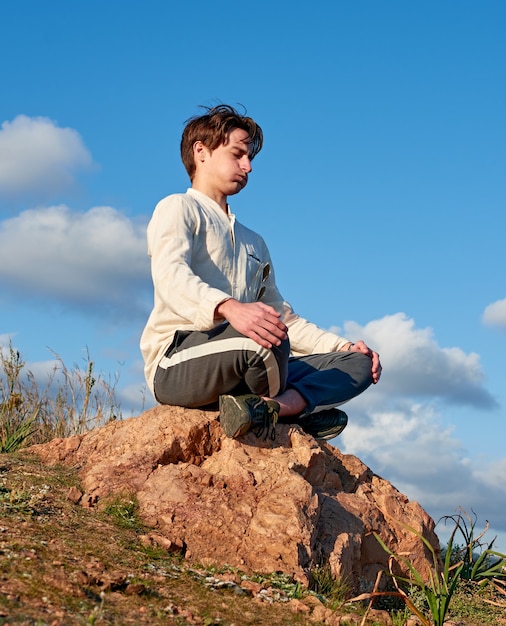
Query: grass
[[324, 584], [73, 401], [479, 563], [124, 512], [438, 588], [468, 570]]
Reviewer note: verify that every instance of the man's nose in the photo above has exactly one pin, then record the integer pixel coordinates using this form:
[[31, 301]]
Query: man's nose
[[246, 164]]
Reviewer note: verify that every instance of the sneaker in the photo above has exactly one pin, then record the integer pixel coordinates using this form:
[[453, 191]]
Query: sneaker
[[324, 424], [238, 414]]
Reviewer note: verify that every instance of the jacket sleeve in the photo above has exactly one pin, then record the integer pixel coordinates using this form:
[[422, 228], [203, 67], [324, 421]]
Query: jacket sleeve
[[183, 294], [308, 338]]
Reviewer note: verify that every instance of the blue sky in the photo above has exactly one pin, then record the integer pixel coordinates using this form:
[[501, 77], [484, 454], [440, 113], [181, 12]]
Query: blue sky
[[380, 191]]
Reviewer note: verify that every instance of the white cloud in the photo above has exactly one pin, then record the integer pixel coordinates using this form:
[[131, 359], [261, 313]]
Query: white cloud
[[427, 462], [397, 429], [39, 158], [135, 399], [94, 260], [495, 314], [5, 340], [415, 365]]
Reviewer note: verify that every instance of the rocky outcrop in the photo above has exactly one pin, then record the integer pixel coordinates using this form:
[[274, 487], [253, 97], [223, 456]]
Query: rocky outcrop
[[284, 505]]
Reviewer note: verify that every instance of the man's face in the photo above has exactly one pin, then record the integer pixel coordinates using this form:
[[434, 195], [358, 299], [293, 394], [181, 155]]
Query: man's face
[[226, 168]]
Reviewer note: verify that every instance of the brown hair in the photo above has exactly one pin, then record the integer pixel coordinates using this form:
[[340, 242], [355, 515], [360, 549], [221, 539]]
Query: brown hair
[[213, 128]]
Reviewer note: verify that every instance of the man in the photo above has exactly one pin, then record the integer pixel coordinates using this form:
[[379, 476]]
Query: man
[[220, 333]]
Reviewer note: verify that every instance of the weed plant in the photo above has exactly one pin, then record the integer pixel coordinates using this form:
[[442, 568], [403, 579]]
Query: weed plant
[[324, 584], [440, 586], [461, 566], [124, 512], [71, 402], [479, 565]]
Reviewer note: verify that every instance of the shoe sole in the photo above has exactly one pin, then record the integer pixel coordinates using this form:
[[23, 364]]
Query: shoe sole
[[331, 432], [329, 435], [232, 417]]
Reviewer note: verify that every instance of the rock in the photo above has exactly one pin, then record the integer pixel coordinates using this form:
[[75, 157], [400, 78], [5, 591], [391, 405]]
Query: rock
[[297, 606], [251, 586], [74, 495], [135, 589], [348, 619], [175, 547], [321, 614], [378, 616], [285, 505]]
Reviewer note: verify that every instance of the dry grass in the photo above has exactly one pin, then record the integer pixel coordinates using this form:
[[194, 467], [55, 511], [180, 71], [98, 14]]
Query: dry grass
[[71, 401]]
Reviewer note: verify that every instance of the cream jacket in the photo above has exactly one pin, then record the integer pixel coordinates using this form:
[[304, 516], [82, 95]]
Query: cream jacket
[[200, 257]]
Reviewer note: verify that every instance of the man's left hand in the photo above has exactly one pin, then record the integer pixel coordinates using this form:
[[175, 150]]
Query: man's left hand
[[376, 368]]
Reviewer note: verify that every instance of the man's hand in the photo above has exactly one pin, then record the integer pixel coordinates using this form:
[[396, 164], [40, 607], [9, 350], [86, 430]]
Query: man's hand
[[376, 368], [255, 320]]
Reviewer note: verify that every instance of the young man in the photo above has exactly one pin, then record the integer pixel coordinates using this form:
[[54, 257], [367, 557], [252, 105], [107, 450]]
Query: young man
[[220, 333]]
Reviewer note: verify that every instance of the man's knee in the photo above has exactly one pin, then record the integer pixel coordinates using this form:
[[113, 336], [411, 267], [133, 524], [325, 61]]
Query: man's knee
[[266, 374], [361, 370]]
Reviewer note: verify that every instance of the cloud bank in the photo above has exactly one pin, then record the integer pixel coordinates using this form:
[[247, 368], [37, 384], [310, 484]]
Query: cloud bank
[[495, 314], [415, 366], [39, 159], [397, 429], [92, 261]]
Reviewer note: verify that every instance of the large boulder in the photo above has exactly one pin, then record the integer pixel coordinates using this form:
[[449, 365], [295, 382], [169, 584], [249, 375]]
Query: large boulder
[[260, 505]]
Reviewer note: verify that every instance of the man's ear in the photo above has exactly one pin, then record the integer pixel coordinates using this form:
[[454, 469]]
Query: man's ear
[[200, 152]]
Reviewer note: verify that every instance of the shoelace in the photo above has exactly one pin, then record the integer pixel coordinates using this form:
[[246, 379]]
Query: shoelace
[[270, 419]]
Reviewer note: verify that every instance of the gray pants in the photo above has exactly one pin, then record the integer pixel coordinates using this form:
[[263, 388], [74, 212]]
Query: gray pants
[[198, 367]]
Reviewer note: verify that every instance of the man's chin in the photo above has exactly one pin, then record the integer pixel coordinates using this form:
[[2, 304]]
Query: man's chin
[[237, 188]]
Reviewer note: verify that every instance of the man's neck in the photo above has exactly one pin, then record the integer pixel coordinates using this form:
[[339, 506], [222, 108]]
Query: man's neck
[[219, 198]]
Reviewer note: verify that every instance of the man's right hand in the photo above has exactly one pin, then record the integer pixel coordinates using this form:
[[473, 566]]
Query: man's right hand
[[255, 320]]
